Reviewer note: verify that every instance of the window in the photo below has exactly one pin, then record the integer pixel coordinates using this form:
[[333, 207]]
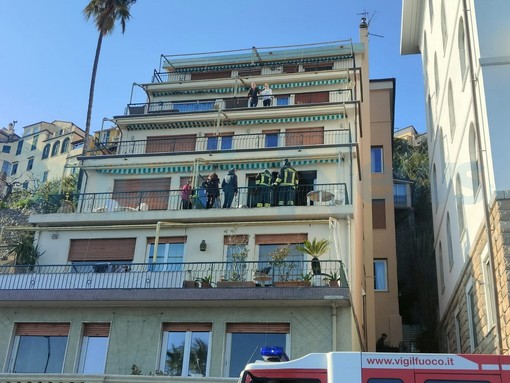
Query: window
[[169, 144], [473, 159], [301, 136], [55, 149], [34, 143], [471, 313], [271, 138], [236, 253], [39, 348], [65, 146], [14, 168], [6, 149], [94, 347], [449, 240], [380, 275], [431, 12], [444, 29], [96, 255], [400, 194], [154, 192], [451, 110], [169, 256], [488, 286], [46, 151], [45, 176], [378, 214], [25, 185], [441, 268], [185, 349], [436, 77], [245, 339], [30, 163], [459, 199], [19, 148], [376, 158], [222, 142], [461, 40], [435, 200]]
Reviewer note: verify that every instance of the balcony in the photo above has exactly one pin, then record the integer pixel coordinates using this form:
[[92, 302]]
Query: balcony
[[224, 143], [169, 200]]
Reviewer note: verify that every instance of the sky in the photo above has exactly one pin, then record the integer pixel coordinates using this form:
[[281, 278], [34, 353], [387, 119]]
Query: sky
[[47, 50]]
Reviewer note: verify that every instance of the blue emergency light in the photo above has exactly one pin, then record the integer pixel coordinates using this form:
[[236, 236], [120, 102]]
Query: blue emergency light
[[273, 354]]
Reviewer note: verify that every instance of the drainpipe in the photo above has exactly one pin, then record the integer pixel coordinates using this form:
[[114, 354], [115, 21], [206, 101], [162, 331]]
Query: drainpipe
[[333, 327], [156, 240], [473, 81]]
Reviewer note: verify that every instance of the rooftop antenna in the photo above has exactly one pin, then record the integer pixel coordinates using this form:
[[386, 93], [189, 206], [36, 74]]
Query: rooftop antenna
[[365, 21]]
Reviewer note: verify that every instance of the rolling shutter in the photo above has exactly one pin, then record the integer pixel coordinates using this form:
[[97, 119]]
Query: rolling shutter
[[301, 136], [236, 240], [187, 327], [311, 98], [118, 249], [273, 328], [170, 144], [278, 239], [154, 192], [96, 329], [42, 329]]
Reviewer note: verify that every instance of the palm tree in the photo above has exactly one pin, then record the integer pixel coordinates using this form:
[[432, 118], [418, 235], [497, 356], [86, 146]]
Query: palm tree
[[315, 249], [105, 14]]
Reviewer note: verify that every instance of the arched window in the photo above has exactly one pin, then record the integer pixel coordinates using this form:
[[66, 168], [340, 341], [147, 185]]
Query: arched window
[[65, 146], [434, 187], [473, 159], [441, 138], [436, 77], [441, 267], [431, 12], [449, 240], [460, 204], [56, 147], [451, 109], [430, 121], [462, 48], [46, 151], [444, 29]]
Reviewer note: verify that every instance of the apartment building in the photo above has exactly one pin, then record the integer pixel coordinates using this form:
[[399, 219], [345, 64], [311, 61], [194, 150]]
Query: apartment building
[[466, 69], [40, 154], [134, 279]]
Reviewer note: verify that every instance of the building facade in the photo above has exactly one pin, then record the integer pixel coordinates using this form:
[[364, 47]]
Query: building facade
[[141, 274], [466, 68]]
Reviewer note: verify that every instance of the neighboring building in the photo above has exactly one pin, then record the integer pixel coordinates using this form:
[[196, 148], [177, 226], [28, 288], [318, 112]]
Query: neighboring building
[[411, 135], [7, 139], [117, 284], [466, 62], [41, 154]]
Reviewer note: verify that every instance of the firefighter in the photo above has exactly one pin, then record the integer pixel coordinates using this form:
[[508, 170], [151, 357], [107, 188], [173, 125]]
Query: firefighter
[[263, 182], [286, 182]]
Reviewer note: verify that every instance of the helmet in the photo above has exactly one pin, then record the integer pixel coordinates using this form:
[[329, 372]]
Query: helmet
[[286, 162]]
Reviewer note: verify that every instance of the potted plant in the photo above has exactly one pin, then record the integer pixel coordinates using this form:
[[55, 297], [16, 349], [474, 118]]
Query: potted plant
[[26, 254], [315, 248], [205, 282], [333, 279], [235, 275]]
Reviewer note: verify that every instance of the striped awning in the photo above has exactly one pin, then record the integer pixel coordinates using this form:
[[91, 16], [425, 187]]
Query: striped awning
[[289, 85], [328, 117], [215, 167], [174, 125]]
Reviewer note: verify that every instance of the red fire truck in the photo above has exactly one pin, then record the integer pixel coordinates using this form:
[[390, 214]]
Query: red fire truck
[[363, 367]]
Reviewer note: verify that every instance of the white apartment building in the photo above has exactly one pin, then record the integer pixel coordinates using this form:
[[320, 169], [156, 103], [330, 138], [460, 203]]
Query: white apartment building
[[466, 68]]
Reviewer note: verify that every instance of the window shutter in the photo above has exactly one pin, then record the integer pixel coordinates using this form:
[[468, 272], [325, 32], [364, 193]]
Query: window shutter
[[96, 329], [167, 144], [152, 191], [311, 98], [42, 329], [308, 136], [187, 327], [118, 249], [273, 328], [235, 240], [278, 239], [378, 214], [181, 239]]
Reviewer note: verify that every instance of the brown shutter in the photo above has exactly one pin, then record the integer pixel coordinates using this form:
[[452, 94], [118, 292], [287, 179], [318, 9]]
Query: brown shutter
[[279, 239], [235, 240], [311, 98], [168, 144], [96, 329], [378, 214], [210, 75], [271, 131], [273, 328], [115, 249], [223, 134], [181, 239], [152, 191], [42, 329], [301, 136], [187, 327]]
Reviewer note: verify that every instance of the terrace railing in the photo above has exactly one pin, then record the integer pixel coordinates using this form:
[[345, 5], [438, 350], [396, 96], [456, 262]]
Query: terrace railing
[[136, 201], [127, 275]]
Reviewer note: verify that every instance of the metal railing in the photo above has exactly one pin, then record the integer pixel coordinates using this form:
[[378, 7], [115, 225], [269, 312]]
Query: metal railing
[[127, 275], [228, 103], [226, 142], [247, 197]]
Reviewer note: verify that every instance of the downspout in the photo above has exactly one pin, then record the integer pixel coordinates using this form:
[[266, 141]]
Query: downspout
[[483, 177], [156, 240], [333, 326]]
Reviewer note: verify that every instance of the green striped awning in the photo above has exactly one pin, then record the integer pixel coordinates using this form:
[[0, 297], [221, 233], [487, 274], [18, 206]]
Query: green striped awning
[[289, 85], [174, 125], [214, 167], [290, 119]]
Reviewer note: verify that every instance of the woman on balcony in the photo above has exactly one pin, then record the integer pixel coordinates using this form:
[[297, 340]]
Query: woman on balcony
[[253, 95], [213, 190]]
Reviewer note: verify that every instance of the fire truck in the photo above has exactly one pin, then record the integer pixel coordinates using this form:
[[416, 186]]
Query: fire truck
[[365, 367]]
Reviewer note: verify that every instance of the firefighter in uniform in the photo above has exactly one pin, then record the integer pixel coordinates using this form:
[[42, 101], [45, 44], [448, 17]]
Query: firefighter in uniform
[[286, 182], [264, 184]]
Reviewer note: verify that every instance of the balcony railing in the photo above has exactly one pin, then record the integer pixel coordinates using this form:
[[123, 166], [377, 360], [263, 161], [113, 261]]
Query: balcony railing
[[229, 103], [126, 275], [247, 197], [225, 142]]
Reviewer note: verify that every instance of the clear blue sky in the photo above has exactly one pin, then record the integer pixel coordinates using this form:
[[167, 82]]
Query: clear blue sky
[[47, 50]]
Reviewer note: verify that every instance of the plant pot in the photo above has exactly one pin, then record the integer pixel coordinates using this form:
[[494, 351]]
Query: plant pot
[[334, 283], [205, 285], [292, 284], [229, 284], [189, 284]]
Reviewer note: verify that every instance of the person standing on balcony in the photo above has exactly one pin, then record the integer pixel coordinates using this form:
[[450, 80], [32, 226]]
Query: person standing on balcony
[[212, 190], [253, 95], [229, 186], [267, 95], [286, 182], [185, 195], [264, 181]]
